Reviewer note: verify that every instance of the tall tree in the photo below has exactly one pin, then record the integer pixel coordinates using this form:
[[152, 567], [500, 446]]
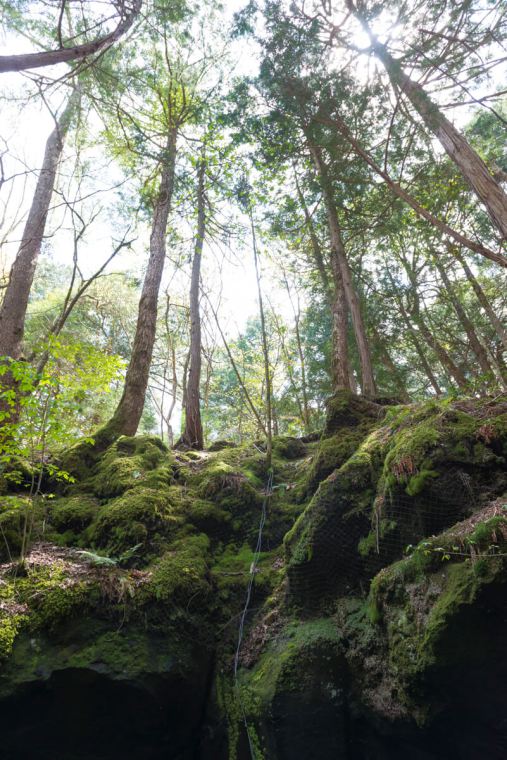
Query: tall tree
[[192, 434], [15, 302], [459, 150], [339, 253], [127, 416]]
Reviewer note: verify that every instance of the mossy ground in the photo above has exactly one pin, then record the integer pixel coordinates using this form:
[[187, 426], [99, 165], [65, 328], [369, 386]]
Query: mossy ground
[[145, 535], [161, 545]]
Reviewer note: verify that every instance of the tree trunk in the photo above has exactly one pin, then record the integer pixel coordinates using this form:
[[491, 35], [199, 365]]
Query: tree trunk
[[25, 61], [445, 360], [471, 165], [17, 292], [192, 435], [265, 351], [482, 298], [390, 366], [15, 302], [468, 327], [340, 367], [338, 251], [337, 304], [127, 416]]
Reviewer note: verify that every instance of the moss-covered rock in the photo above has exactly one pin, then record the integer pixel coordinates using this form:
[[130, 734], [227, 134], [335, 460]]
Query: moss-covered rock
[[423, 469], [72, 513], [288, 447], [143, 515], [131, 462], [293, 698], [349, 420], [354, 644]]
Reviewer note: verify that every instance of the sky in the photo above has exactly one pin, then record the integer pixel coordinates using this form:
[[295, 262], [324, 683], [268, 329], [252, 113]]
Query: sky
[[26, 122], [25, 131], [24, 127]]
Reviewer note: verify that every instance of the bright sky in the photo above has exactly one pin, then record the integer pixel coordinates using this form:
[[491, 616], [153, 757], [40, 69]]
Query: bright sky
[[25, 132]]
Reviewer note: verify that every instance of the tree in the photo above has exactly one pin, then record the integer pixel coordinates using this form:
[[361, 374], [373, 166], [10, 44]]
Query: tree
[[17, 291], [471, 165], [126, 12], [192, 435]]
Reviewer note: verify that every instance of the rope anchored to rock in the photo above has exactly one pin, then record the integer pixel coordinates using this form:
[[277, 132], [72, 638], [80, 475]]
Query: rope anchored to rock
[[253, 568]]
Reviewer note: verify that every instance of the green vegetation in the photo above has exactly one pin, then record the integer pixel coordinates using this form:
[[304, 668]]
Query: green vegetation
[[253, 379]]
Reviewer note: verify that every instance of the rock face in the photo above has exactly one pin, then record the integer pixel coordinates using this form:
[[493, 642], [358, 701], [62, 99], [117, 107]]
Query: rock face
[[377, 625]]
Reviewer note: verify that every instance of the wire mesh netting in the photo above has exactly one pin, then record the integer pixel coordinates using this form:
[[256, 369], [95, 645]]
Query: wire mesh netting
[[349, 546]]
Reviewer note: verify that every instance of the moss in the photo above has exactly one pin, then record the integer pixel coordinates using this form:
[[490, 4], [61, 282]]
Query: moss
[[181, 574], [73, 513], [464, 582], [51, 595], [332, 453], [287, 447], [345, 409], [370, 543], [79, 460], [229, 706], [350, 419], [38, 601], [300, 660], [418, 482], [231, 492], [130, 462], [10, 625], [141, 516], [207, 516], [128, 652], [322, 545], [426, 439], [221, 445], [418, 600], [231, 571]]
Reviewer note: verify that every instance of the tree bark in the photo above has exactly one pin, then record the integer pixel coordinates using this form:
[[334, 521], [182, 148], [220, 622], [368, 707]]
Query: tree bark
[[338, 253], [401, 193], [340, 371], [340, 368], [192, 435], [127, 416], [27, 61], [265, 350], [481, 297], [468, 327], [17, 292], [471, 165]]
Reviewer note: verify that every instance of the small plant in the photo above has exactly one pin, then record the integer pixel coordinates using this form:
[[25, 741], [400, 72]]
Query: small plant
[[41, 412], [102, 560]]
